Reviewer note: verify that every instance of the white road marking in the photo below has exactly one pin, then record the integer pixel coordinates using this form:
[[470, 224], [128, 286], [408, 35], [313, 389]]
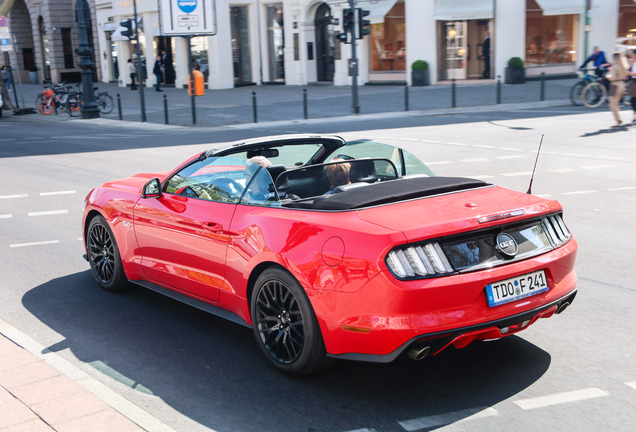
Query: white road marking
[[438, 163], [483, 146], [544, 195], [593, 167], [510, 157], [58, 193], [34, 243], [409, 139], [447, 418], [632, 384], [482, 176], [511, 149], [6, 216], [430, 141], [561, 170], [48, 213], [576, 154], [517, 174], [13, 196], [560, 398], [456, 143], [474, 160], [579, 192], [621, 188]]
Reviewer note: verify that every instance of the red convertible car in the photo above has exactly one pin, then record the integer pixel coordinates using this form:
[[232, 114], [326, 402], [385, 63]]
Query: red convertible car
[[331, 249]]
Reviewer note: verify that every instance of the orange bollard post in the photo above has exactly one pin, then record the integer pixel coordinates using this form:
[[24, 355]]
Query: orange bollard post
[[199, 84]]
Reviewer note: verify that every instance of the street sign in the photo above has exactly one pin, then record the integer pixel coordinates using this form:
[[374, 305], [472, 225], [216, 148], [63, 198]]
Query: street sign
[[3, 21], [187, 17], [5, 44]]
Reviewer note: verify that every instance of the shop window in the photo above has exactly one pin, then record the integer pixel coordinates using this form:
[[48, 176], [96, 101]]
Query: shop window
[[241, 59], [626, 25], [549, 39], [388, 46], [67, 48]]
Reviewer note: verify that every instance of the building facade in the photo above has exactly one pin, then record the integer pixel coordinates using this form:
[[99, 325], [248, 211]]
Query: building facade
[[295, 42]]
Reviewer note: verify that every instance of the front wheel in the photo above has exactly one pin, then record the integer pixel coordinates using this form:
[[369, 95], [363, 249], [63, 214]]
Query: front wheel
[[285, 326], [103, 256], [575, 93], [593, 95]]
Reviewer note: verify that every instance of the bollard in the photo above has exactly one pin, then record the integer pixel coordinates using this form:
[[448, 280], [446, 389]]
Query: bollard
[[406, 97], [119, 106], [542, 86], [254, 107], [165, 109], [305, 103], [453, 96], [498, 89]]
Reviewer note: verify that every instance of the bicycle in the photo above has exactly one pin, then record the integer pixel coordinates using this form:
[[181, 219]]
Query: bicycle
[[104, 102], [596, 94], [59, 96], [577, 89]]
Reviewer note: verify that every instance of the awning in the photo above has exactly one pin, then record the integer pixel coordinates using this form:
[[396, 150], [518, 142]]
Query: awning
[[377, 9], [561, 7], [458, 10]]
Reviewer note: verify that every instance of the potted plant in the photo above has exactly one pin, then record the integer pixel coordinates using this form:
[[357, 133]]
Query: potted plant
[[33, 74], [420, 75], [515, 72]]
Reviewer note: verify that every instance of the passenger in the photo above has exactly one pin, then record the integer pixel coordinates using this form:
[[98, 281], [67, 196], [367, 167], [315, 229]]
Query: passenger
[[337, 174]]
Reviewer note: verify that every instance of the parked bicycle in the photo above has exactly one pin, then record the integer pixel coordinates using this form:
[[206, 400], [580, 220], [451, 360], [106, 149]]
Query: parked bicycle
[[59, 96], [104, 102]]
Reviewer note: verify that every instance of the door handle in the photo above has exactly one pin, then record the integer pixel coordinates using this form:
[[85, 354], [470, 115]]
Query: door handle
[[213, 226]]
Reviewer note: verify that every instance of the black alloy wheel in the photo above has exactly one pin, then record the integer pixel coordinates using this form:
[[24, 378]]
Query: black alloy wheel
[[103, 255], [285, 325]]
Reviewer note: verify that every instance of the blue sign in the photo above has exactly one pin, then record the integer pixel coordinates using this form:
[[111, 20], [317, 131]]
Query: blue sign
[[187, 6], [5, 42]]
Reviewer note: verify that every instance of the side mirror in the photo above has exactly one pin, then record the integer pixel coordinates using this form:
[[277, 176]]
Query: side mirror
[[152, 189]]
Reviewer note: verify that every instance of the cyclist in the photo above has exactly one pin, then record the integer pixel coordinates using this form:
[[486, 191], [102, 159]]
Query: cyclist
[[598, 60]]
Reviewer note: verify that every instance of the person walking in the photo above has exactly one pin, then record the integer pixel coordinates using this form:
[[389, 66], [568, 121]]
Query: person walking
[[157, 70], [133, 73], [485, 55], [6, 77], [616, 76], [631, 73]]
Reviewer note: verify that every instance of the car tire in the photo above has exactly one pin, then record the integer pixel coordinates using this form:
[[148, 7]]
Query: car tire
[[285, 325], [103, 256]]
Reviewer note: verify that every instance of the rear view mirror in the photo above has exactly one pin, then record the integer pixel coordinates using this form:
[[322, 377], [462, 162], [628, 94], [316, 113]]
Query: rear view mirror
[[152, 189]]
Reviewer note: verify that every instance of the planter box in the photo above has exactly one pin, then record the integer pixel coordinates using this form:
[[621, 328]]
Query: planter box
[[420, 78], [515, 75]]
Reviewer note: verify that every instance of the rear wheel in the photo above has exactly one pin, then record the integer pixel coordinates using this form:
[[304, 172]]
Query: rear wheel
[[44, 105], [285, 326], [593, 95], [105, 103], [103, 256]]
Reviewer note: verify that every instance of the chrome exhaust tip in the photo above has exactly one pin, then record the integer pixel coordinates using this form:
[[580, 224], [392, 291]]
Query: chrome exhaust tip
[[562, 307], [419, 353]]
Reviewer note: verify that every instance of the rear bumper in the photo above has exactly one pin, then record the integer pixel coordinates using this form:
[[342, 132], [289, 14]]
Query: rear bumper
[[461, 337]]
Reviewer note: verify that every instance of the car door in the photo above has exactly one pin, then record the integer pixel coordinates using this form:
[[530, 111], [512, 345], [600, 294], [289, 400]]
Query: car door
[[184, 233]]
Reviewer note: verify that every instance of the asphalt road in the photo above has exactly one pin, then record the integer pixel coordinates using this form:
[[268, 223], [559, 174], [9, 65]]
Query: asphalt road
[[196, 372]]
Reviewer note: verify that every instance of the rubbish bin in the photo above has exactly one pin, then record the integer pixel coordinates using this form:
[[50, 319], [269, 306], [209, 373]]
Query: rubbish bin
[[199, 84]]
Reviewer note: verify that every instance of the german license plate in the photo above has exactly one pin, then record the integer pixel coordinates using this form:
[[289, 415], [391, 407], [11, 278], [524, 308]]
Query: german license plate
[[509, 290]]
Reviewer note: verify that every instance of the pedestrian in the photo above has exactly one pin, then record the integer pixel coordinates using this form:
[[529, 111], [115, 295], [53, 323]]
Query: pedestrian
[[631, 84], [598, 60], [6, 77], [616, 76], [485, 55], [133, 73], [158, 71]]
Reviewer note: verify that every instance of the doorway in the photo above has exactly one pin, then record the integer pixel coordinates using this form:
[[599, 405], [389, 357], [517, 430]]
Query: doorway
[[325, 44], [460, 48]]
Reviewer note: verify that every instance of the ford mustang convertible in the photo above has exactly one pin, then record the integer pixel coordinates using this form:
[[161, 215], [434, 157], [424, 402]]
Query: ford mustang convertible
[[330, 249]]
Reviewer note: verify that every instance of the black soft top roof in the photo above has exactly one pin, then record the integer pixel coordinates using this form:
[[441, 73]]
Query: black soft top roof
[[394, 191]]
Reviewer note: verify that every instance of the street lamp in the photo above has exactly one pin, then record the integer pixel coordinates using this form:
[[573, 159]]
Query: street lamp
[[89, 106]]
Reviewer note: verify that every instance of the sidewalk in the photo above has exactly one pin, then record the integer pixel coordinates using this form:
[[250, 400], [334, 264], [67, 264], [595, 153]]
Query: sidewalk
[[40, 391], [275, 103]]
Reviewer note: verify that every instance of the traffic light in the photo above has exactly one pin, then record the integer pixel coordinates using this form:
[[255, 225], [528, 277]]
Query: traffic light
[[363, 25], [128, 28], [342, 37], [348, 20]]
